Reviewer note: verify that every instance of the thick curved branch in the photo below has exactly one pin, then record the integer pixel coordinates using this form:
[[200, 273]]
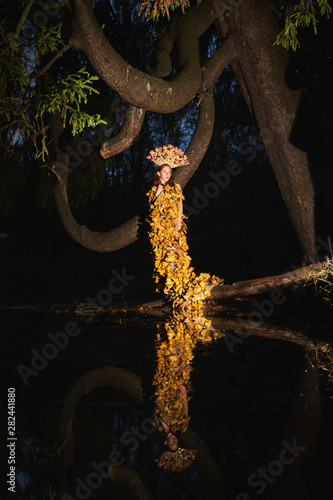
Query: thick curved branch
[[127, 135], [203, 15], [223, 56], [130, 480], [100, 242], [136, 87], [200, 140], [203, 134]]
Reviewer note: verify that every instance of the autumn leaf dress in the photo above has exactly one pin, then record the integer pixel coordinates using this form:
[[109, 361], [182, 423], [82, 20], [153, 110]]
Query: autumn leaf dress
[[173, 271]]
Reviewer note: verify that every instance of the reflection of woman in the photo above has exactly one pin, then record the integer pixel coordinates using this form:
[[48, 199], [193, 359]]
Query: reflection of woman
[[168, 235], [175, 458], [175, 344], [172, 382]]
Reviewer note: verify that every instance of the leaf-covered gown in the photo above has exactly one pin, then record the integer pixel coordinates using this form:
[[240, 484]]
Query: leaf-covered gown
[[173, 271]]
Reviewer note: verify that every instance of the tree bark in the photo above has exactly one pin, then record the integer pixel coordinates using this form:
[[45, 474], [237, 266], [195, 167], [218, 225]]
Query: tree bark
[[135, 86], [100, 242], [130, 480], [100, 377], [268, 284], [260, 69], [127, 135], [205, 464]]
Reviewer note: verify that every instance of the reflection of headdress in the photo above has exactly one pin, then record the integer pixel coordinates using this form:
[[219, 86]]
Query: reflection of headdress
[[169, 155], [176, 461]]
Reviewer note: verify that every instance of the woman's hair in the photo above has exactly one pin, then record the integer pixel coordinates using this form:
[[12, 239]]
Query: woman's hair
[[171, 181]]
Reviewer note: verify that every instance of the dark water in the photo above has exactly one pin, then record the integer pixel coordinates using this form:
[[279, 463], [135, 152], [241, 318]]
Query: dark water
[[259, 409]]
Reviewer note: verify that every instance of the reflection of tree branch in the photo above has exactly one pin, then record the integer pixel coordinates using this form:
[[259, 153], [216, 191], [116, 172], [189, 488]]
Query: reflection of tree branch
[[246, 327], [205, 464], [301, 431], [101, 377], [130, 480]]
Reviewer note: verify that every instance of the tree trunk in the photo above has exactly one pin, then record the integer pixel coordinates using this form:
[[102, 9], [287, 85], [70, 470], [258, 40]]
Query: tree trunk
[[268, 284], [260, 68], [259, 286]]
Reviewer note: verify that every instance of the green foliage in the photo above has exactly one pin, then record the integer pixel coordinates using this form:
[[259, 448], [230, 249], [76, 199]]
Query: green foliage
[[49, 494], [26, 101], [66, 97], [161, 7], [301, 15], [11, 70], [47, 40]]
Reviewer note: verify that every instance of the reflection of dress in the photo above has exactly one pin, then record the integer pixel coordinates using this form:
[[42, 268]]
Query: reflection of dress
[[172, 262], [175, 343]]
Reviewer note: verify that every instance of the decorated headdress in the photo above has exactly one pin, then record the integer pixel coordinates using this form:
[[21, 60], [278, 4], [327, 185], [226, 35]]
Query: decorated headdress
[[169, 155], [176, 461]]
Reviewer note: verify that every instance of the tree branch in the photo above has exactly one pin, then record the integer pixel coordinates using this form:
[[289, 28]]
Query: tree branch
[[23, 18], [127, 135], [200, 140], [51, 62], [137, 87], [203, 15], [130, 480], [99, 242]]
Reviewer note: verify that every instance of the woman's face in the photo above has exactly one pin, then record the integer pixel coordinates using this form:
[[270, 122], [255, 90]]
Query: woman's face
[[165, 174], [172, 443]]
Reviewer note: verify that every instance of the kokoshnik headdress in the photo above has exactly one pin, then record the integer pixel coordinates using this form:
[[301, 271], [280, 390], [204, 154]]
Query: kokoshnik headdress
[[169, 155], [176, 461]]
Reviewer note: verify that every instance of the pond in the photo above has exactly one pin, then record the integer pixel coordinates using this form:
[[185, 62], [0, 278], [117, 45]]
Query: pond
[[88, 394]]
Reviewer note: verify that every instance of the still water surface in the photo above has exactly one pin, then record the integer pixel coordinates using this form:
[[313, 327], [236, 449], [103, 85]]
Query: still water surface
[[260, 414]]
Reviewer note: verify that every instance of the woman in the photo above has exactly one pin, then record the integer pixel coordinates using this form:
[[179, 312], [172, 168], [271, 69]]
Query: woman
[[175, 458], [173, 269]]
